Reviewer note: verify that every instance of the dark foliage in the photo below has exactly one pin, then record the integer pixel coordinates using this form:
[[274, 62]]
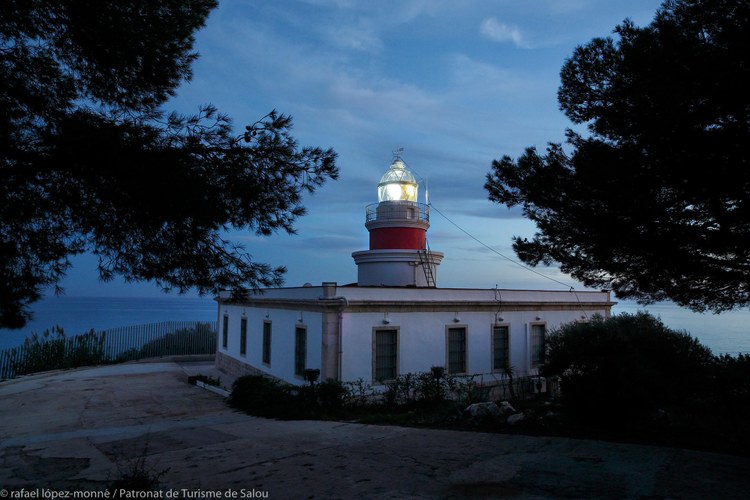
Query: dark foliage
[[200, 339], [137, 476], [265, 397], [628, 378], [52, 350], [654, 203], [331, 394], [89, 161], [627, 367], [426, 389], [732, 385]]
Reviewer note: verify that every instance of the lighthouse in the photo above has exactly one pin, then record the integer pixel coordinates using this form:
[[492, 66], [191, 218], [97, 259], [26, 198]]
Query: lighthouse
[[394, 320], [399, 254]]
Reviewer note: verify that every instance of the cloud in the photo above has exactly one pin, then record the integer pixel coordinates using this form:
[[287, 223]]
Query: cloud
[[492, 211], [500, 32], [361, 38], [490, 80], [384, 98]]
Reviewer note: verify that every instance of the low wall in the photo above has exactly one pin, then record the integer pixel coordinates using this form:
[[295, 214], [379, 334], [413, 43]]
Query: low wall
[[235, 368]]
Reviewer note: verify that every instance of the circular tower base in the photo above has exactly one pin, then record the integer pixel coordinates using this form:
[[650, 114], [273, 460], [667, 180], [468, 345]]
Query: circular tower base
[[416, 268]]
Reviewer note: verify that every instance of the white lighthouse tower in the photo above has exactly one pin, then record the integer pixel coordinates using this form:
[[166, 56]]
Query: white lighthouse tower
[[399, 254]]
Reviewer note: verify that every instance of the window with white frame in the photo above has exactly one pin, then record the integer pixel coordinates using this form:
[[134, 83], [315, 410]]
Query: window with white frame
[[385, 354], [500, 348], [537, 344], [456, 340], [300, 350], [243, 336], [266, 342]]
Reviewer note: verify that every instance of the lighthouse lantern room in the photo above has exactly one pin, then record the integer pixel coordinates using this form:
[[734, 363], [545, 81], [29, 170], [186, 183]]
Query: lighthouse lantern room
[[399, 254]]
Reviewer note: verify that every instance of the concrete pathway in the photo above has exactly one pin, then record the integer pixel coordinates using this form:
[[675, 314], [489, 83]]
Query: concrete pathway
[[79, 430]]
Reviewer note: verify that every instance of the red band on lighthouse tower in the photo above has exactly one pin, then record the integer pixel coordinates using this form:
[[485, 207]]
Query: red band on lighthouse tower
[[398, 238]]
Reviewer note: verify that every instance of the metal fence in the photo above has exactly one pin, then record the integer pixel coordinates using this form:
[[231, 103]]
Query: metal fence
[[53, 350]]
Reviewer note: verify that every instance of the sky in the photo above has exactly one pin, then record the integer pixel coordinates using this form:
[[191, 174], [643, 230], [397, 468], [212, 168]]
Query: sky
[[456, 84]]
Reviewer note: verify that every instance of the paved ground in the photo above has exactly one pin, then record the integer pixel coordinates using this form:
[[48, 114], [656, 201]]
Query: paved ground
[[78, 430]]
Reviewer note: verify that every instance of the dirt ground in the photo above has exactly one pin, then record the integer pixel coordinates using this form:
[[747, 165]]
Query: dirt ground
[[70, 432]]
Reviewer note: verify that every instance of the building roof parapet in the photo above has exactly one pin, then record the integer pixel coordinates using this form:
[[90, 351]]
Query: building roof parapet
[[471, 295], [442, 297]]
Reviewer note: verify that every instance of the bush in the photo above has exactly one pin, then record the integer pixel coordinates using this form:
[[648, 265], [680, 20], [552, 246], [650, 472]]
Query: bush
[[627, 366], [732, 385], [331, 394], [265, 397], [52, 350], [358, 393], [433, 385], [199, 339], [428, 389]]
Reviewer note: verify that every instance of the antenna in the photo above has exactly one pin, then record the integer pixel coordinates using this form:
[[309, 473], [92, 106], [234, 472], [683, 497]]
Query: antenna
[[397, 153]]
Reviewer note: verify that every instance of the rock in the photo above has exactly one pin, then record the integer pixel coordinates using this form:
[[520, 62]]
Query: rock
[[506, 408], [478, 410], [515, 418]]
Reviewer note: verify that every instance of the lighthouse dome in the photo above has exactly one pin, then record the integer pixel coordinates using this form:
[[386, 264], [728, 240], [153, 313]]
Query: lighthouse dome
[[397, 184]]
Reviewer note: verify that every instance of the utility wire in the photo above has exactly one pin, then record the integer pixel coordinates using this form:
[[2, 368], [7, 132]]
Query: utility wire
[[571, 288], [566, 285]]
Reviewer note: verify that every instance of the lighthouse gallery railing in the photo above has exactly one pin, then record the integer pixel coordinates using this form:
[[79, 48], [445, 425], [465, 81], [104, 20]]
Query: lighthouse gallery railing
[[397, 210]]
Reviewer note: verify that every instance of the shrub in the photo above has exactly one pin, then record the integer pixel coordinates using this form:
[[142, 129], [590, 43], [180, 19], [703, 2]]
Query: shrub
[[432, 385], [731, 384], [331, 394], [265, 397], [400, 391], [138, 477], [52, 350], [194, 340], [428, 389], [627, 367], [358, 393], [311, 375]]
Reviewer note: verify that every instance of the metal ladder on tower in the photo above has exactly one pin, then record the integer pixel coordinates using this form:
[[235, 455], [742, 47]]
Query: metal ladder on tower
[[425, 260]]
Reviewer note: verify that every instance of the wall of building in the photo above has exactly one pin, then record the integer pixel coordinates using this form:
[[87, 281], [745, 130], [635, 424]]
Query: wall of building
[[283, 323], [422, 338], [421, 317]]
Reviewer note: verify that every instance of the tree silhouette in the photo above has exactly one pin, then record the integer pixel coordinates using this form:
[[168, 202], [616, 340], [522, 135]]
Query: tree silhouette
[[90, 161], [654, 202]]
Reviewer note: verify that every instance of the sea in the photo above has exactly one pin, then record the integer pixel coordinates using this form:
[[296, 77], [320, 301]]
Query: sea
[[726, 333], [78, 315]]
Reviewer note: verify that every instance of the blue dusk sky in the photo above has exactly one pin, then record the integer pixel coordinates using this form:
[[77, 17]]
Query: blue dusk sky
[[455, 83]]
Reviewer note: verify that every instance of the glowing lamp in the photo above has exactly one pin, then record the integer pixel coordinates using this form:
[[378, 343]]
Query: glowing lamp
[[397, 184]]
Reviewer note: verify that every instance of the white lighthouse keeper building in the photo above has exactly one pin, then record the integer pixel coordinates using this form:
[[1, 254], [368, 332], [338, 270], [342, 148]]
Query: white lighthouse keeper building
[[394, 320]]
